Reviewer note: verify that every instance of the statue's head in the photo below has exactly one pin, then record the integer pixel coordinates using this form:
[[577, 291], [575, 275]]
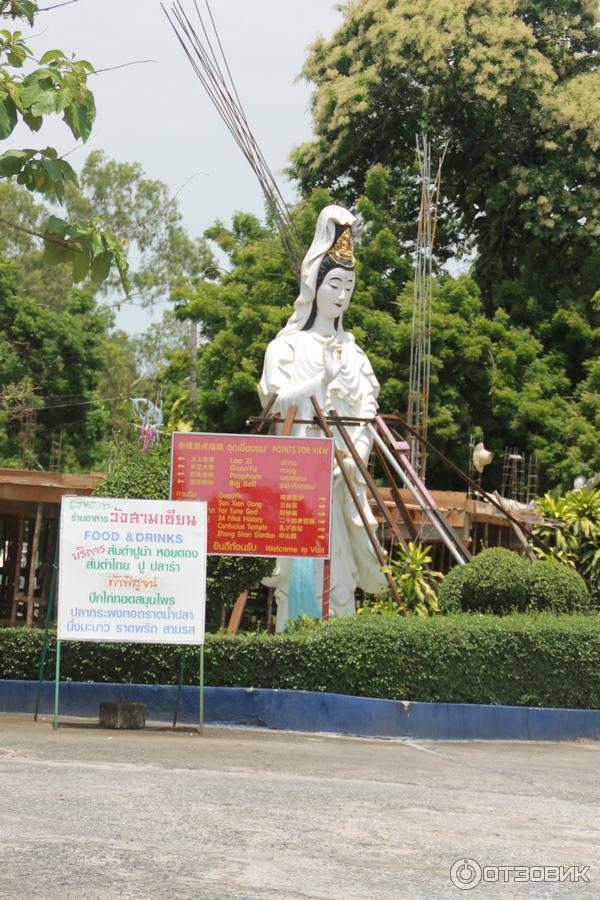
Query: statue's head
[[330, 250], [335, 279]]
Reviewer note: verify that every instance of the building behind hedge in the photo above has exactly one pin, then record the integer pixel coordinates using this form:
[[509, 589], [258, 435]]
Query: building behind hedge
[[29, 521]]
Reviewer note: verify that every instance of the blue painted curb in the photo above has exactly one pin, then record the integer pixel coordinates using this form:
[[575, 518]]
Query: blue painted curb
[[311, 711]]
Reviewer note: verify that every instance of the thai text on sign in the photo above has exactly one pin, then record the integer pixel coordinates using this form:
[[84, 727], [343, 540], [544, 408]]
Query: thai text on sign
[[267, 496], [132, 570]]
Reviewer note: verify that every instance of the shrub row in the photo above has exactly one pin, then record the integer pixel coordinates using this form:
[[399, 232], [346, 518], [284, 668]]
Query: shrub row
[[532, 660]]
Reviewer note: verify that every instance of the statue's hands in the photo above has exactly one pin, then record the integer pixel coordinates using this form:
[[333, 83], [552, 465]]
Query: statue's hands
[[332, 360], [351, 468]]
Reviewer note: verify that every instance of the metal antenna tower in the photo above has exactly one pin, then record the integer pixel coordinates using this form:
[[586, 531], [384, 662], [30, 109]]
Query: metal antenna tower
[[420, 348]]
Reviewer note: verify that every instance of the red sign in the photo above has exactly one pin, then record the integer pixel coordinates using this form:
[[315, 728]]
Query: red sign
[[267, 496]]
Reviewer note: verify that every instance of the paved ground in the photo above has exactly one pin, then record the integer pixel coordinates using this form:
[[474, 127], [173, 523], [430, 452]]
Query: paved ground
[[93, 814]]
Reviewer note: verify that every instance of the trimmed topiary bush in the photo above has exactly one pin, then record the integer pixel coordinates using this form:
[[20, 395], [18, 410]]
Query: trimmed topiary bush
[[499, 581], [496, 581], [557, 588], [451, 588]]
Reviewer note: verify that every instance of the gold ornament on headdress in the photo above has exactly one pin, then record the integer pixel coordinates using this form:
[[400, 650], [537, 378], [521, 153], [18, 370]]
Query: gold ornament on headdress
[[341, 252]]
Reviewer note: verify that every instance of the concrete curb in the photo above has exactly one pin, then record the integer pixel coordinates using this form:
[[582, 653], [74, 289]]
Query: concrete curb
[[311, 711]]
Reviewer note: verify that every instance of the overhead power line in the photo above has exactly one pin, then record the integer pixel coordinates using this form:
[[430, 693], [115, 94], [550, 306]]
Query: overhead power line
[[204, 50]]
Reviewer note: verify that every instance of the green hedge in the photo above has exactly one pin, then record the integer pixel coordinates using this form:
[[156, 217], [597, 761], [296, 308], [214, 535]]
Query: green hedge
[[523, 660]]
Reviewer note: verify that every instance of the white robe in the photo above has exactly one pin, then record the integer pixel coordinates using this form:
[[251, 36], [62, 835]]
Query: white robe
[[293, 369]]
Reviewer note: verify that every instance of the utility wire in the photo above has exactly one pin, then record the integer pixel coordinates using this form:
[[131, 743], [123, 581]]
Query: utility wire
[[49, 407], [206, 55]]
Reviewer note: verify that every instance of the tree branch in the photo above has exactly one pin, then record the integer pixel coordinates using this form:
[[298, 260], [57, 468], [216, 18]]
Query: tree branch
[[38, 234], [163, 208], [56, 5], [134, 62]]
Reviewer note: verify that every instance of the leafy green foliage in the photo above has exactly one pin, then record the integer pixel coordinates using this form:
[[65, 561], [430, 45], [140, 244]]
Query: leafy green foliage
[[19, 9], [574, 537], [138, 474], [38, 170], [146, 475], [513, 88], [106, 409], [416, 581], [377, 606], [118, 194], [557, 588], [91, 251], [57, 86], [238, 316], [153, 257], [51, 364], [497, 581], [22, 246], [451, 589], [500, 581], [533, 660], [306, 623], [147, 221]]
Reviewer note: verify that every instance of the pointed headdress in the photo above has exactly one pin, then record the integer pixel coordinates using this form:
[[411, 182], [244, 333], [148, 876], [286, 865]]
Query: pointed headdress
[[332, 243]]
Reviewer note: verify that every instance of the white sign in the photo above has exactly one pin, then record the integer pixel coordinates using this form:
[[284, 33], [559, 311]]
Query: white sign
[[132, 570]]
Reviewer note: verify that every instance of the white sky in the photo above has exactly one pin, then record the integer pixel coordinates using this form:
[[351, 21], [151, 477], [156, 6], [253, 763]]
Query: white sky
[[158, 115]]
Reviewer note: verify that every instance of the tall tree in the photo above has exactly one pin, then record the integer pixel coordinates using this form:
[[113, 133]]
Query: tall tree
[[51, 367], [165, 260], [144, 215], [50, 287], [514, 87]]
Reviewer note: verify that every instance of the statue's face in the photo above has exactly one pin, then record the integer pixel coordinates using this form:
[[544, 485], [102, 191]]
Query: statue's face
[[333, 296]]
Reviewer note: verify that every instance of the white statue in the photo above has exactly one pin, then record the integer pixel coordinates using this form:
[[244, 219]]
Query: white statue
[[314, 356]]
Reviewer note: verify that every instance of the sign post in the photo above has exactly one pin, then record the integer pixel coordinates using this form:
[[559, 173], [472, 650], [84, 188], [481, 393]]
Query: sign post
[[131, 571], [56, 687], [201, 688], [49, 611]]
